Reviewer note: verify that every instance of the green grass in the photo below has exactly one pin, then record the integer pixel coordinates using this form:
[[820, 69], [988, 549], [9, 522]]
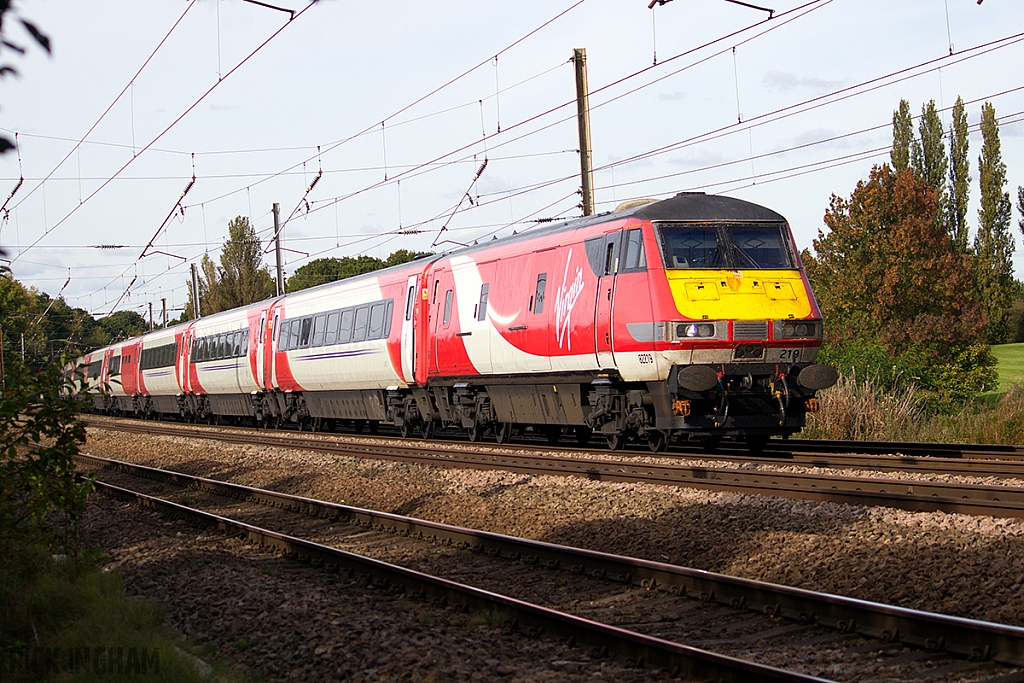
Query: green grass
[[1009, 364], [63, 623]]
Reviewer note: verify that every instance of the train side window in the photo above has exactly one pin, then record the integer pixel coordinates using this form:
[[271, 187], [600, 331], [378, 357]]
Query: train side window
[[319, 324], [345, 333], [436, 283], [362, 317], [389, 307], [293, 334], [633, 258], [447, 307], [304, 333], [115, 366], [481, 311], [409, 302], [331, 335], [376, 326], [538, 301], [222, 346]]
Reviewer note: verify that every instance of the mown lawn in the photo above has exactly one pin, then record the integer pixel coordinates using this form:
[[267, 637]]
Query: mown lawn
[[1010, 364]]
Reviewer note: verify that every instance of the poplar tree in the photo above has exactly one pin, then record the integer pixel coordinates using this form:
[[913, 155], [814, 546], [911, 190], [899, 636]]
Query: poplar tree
[[240, 279], [993, 245], [959, 177], [902, 137], [929, 159]]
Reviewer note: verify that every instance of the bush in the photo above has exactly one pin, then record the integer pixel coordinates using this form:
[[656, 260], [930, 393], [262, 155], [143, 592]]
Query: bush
[[864, 410]]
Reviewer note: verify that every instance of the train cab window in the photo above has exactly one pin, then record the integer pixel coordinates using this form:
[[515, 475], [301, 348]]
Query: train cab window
[[633, 257], [345, 331], [434, 299], [447, 307], [692, 247], [409, 302], [726, 245], [538, 300], [362, 318], [304, 333], [331, 336], [609, 259], [761, 247], [319, 324], [376, 326], [481, 310]]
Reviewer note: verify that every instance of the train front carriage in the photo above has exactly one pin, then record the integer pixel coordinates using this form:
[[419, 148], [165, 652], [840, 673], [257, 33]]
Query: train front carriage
[[737, 329]]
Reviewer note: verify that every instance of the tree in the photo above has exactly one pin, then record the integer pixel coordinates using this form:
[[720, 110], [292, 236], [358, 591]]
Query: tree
[[959, 177], [123, 325], [902, 137], [887, 279], [993, 245], [243, 277], [240, 279], [404, 256], [929, 160], [42, 40], [322, 270]]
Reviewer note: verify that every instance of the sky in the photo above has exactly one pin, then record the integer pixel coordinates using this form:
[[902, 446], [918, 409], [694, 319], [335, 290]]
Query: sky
[[393, 107]]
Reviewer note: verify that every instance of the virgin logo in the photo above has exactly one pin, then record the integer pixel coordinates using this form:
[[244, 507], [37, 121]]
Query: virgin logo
[[565, 300]]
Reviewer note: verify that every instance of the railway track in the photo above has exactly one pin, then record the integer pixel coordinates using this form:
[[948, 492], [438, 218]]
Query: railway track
[[642, 611], [914, 495]]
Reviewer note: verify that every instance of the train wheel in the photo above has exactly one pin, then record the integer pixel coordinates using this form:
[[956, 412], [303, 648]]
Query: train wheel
[[428, 428], [657, 441], [475, 432], [583, 434], [616, 441], [503, 432], [405, 430]]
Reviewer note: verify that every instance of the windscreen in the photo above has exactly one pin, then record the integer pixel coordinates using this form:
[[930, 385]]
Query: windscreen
[[736, 246]]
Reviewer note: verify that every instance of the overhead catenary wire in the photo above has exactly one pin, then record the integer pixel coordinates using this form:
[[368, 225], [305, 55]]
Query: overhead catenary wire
[[162, 133]]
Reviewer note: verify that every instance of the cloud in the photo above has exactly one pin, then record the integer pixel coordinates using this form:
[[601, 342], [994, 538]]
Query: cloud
[[784, 81], [700, 158]]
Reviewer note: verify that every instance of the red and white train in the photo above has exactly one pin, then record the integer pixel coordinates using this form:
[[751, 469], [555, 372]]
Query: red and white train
[[688, 318]]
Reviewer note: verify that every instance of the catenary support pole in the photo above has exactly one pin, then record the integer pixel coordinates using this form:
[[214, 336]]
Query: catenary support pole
[[277, 248], [196, 315], [579, 58]]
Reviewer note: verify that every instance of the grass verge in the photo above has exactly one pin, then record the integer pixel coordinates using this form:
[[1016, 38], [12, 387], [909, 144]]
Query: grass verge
[[71, 621]]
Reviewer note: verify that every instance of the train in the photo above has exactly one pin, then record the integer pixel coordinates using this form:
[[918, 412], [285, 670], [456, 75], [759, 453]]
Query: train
[[688, 319]]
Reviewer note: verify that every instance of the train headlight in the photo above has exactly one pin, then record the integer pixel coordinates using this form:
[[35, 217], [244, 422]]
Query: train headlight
[[695, 330], [798, 329]]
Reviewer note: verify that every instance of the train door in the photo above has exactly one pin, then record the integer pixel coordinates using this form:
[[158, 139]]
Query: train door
[[261, 350], [603, 328], [269, 352], [435, 303], [409, 331]]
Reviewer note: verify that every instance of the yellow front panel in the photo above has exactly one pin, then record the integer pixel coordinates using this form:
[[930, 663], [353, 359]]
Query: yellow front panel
[[739, 294]]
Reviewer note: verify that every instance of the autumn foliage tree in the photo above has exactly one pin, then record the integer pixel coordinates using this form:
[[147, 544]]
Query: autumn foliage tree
[[894, 292]]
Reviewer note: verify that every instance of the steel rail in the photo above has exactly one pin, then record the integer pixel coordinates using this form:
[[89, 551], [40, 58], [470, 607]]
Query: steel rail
[[913, 495], [976, 640], [635, 649], [917, 448], [825, 454]]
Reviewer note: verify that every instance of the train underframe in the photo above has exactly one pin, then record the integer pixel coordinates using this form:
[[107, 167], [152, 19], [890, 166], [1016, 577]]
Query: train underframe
[[702, 403]]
